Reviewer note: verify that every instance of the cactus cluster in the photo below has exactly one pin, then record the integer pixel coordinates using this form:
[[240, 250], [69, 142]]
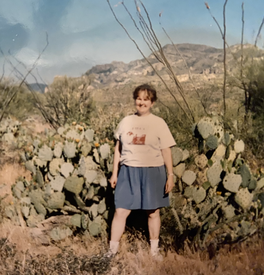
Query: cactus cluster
[[69, 169], [219, 187], [12, 133]]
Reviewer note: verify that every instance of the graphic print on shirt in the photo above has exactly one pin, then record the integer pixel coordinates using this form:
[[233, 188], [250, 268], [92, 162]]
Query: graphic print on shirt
[[138, 136]]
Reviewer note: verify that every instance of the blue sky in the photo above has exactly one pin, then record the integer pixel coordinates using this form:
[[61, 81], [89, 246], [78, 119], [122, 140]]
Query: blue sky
[[84, 33]]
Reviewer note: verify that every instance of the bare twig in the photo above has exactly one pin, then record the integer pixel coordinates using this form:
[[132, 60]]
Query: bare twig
[[219, 27], [38, 103], [3, 73], [224, 61], [187, 67], [258, 35], [242, 41], [23, 78], [223, 34]]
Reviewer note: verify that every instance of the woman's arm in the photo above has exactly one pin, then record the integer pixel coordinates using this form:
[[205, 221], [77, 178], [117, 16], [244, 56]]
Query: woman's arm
[[166, 153], [113, 178]]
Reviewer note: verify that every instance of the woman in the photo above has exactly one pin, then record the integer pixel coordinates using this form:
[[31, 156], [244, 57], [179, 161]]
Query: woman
[[142, 148]]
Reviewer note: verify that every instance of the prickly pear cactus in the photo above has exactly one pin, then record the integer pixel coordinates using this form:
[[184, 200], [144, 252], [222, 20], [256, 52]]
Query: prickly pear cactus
[[212, 142], [188, 177], [56, 200], [245, 174], [214, 173], [201, 161], [45, 153], [74, 184], [243, 198], [69, 150], [232, 182], [239, 146], [219, 187], [67, 178], [216, 188], [205, 127], [177, 155]]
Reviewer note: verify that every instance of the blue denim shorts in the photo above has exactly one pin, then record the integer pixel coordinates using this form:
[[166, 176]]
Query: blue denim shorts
[[141, 188]]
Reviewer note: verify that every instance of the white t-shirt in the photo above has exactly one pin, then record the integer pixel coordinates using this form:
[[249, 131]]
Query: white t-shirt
[[142, 139]]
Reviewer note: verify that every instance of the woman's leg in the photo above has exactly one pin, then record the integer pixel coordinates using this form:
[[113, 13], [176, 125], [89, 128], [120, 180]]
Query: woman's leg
[[154, 223], [154, 230], [119, 223], [117, 229]]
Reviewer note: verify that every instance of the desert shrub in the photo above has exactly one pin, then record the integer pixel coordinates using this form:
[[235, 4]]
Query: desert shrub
[[177, 123], [105, 120], [67, 100], [254, 105], [15, 100], [255, 88]]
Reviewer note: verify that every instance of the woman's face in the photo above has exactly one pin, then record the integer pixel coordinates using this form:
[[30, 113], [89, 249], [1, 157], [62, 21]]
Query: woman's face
[[143, 103]]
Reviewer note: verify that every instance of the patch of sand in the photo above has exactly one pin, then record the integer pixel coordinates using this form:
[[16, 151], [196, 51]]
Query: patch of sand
[[22, 238], [9, 173]]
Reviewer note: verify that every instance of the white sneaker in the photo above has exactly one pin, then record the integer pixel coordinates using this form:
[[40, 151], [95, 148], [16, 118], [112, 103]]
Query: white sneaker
[[156, 255], [109, 254]]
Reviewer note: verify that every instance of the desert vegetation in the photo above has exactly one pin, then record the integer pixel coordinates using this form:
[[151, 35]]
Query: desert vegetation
[[57, 154]]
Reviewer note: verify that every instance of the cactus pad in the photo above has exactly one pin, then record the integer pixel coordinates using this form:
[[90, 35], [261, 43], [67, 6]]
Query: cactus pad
[[232, 182], [69, 150], [202, 177], [45, 153], [205, 127], [212, 142], [213, 174], [54, 166], [243, 198], [179, 170], [176, 155], [239, 146], [74, 184], [56, 200], [198, 194], [188, 177], [245, 174], [201, 161], [104, 151], [66, 169]]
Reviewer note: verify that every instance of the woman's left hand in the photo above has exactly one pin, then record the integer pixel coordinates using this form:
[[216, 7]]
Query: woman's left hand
[[169, 184]]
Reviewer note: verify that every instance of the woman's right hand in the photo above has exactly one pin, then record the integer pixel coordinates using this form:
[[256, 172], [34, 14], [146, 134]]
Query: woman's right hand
[[113, 180]]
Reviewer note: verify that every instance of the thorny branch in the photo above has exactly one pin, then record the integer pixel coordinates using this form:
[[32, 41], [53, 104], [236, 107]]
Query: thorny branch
[[186, 65], [150, 38], [258, 35], [23, 80], [224, 61], [223, 34], [242, 40]]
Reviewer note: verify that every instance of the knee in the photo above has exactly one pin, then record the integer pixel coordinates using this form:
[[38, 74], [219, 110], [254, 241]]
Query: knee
[[153, 214], [122, 213]]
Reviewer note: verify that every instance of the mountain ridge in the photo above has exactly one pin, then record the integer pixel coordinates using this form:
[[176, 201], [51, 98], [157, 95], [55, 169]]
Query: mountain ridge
[[184, 58]]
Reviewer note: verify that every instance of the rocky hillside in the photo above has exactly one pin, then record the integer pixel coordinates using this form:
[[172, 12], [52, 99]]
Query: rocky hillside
[[113, 83], [199, 58], [202, 61]]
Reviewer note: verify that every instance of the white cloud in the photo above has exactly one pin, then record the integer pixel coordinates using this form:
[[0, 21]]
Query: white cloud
[[28, 57]]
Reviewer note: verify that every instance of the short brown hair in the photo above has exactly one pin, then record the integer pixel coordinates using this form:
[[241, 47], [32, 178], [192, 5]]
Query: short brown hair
[[151, 92]]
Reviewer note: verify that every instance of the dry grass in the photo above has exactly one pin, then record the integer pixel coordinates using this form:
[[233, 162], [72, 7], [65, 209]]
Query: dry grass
[[83, 255]]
